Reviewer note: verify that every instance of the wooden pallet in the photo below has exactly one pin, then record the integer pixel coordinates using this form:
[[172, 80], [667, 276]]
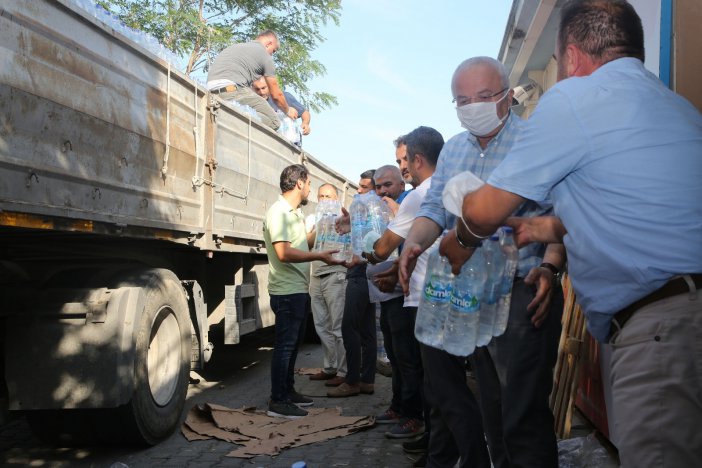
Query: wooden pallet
[[567, 370]]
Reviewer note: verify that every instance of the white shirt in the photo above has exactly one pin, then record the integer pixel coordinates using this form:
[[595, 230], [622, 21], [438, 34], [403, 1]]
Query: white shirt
[[401, 225]]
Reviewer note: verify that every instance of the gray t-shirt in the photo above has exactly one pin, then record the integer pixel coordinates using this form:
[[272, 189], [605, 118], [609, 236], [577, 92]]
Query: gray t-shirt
[[242, 64]]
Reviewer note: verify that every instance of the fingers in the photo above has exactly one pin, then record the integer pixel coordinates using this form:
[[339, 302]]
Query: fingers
[[407, 262]]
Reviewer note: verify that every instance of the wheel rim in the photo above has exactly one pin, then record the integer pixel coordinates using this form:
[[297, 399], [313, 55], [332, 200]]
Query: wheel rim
[[163, 361]]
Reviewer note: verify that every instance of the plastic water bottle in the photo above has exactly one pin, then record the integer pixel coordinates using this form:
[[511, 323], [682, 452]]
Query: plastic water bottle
[[509, 248], [345, 252], [494, 267], [461, 327], [434, 301], [359, 225]]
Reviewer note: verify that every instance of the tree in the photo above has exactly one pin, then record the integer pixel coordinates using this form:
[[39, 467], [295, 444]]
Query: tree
[[200, 29]]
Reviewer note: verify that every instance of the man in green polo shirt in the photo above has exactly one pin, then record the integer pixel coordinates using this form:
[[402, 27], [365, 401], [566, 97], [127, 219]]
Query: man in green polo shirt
[[288, 249]]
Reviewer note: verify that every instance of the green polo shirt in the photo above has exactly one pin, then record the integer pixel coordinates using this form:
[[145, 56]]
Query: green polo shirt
[[285, 224]]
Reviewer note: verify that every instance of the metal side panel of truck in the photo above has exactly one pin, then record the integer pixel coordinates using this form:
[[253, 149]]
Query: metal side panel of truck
[[131, 214]]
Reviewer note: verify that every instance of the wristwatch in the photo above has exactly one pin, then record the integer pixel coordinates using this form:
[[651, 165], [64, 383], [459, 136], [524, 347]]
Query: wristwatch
[[552, 268]]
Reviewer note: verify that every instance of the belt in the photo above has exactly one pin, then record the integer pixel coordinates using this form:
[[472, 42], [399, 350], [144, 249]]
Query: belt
[[673, 287], [224, 89]]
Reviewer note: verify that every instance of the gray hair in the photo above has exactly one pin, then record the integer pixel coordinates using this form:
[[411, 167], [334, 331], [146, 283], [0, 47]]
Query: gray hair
[[489, 61]]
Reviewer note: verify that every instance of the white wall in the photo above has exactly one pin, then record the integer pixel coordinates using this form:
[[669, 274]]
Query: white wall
[[650, 13]]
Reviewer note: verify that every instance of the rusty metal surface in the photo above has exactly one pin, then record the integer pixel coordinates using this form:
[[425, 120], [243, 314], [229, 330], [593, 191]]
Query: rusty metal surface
[[96, 129]]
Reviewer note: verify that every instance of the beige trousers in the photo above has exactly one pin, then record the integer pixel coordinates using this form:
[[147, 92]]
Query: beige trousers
[[328, 294], [656, 379]]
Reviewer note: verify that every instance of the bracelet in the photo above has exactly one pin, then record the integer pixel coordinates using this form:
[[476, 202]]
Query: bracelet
[[370, 257], [466, 245], [469, 231], [551, 267]]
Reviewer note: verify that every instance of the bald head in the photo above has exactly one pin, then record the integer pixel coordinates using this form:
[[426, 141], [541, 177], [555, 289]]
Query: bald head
[[389, 182], [327, 192]]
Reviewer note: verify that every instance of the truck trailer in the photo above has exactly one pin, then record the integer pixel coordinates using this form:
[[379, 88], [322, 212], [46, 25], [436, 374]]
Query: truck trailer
[[131, 214]]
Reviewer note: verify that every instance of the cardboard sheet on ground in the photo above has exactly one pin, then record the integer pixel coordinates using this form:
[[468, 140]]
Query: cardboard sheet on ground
[[260, 434]]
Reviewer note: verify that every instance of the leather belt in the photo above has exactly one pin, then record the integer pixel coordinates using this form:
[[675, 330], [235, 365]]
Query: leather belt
[[224, 89], [673, 287]]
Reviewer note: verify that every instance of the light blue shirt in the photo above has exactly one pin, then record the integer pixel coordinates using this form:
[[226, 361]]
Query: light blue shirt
[[621, 156], [463, 153]]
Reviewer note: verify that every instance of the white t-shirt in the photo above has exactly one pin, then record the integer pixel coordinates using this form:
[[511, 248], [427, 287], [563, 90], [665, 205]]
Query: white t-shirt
[[401, 225]]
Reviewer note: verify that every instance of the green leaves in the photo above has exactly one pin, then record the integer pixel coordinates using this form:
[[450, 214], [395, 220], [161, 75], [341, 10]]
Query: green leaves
[[200, 29]]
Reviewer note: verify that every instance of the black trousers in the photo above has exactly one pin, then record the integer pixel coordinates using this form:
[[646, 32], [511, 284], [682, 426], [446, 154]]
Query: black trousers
[[397, 325], [358, 332], [456, 425], [515, 376]]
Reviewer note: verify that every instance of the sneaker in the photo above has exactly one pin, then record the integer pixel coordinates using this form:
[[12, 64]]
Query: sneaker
[[383, 368], [322, 376], [285, 409], [417, 446], [388, 417], [410, 427], [335, 382], [344, 390], [367, 388], [300, 400]]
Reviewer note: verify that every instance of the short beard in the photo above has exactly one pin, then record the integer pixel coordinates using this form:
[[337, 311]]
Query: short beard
[[303, 202]]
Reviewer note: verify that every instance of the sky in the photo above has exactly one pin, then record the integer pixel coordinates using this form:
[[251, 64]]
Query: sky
[[389, 63]]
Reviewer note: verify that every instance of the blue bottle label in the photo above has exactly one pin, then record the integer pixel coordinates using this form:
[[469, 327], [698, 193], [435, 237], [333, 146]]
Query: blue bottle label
[[437, 292], [465, 303]]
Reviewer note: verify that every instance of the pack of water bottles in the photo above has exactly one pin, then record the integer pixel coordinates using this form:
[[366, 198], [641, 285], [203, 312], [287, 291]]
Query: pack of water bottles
[[370, 217], [458, 313], [327, 237], [289, 128]]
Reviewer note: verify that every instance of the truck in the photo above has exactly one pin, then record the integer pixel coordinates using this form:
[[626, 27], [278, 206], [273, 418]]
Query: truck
[[131, 213]]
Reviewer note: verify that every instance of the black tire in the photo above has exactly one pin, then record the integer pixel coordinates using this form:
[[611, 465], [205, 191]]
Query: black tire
[[162, 360]]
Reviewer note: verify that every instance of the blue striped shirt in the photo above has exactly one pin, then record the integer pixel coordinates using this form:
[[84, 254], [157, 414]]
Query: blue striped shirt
[[463, 153]]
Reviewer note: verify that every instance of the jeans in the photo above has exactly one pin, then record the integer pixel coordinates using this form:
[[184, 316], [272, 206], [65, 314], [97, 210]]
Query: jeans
[[290, 317], [515, 376], [358, 332], [402, 348]]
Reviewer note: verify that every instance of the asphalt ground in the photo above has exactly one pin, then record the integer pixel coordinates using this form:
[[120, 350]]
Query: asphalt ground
[[238, 375]]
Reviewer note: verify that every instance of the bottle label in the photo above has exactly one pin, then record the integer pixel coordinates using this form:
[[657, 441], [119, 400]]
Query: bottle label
[[437, 292], [465, 303]]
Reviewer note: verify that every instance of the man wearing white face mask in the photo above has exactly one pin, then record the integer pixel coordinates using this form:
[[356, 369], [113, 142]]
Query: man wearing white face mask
[[514, 372]]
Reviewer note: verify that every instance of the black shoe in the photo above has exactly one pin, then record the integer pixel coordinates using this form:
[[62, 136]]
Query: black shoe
[[418, 445], [421, 462], [300, 400], [285, 409]]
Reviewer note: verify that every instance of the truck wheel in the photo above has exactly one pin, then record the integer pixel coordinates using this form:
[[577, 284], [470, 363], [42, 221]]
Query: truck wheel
[[162, 360]]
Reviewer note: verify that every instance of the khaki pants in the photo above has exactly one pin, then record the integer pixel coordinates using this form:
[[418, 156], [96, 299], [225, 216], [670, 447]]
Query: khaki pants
[[328, 294], [656, 382]]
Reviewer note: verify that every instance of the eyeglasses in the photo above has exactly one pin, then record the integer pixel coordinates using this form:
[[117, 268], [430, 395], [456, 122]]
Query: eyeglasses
[[462, 100]]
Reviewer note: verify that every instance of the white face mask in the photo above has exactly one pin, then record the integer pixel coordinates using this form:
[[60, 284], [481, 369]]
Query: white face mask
[[480, 118]]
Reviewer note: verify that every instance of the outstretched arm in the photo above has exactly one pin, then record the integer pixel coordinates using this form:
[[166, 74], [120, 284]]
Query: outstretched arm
[[543, 229]]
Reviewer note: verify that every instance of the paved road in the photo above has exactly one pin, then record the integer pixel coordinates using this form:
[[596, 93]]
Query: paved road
[[238, 375]]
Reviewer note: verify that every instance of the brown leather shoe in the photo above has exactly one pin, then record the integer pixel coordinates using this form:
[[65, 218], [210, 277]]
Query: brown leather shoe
[[335, 382], [322, 376], [367, 388], [344, 390]]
